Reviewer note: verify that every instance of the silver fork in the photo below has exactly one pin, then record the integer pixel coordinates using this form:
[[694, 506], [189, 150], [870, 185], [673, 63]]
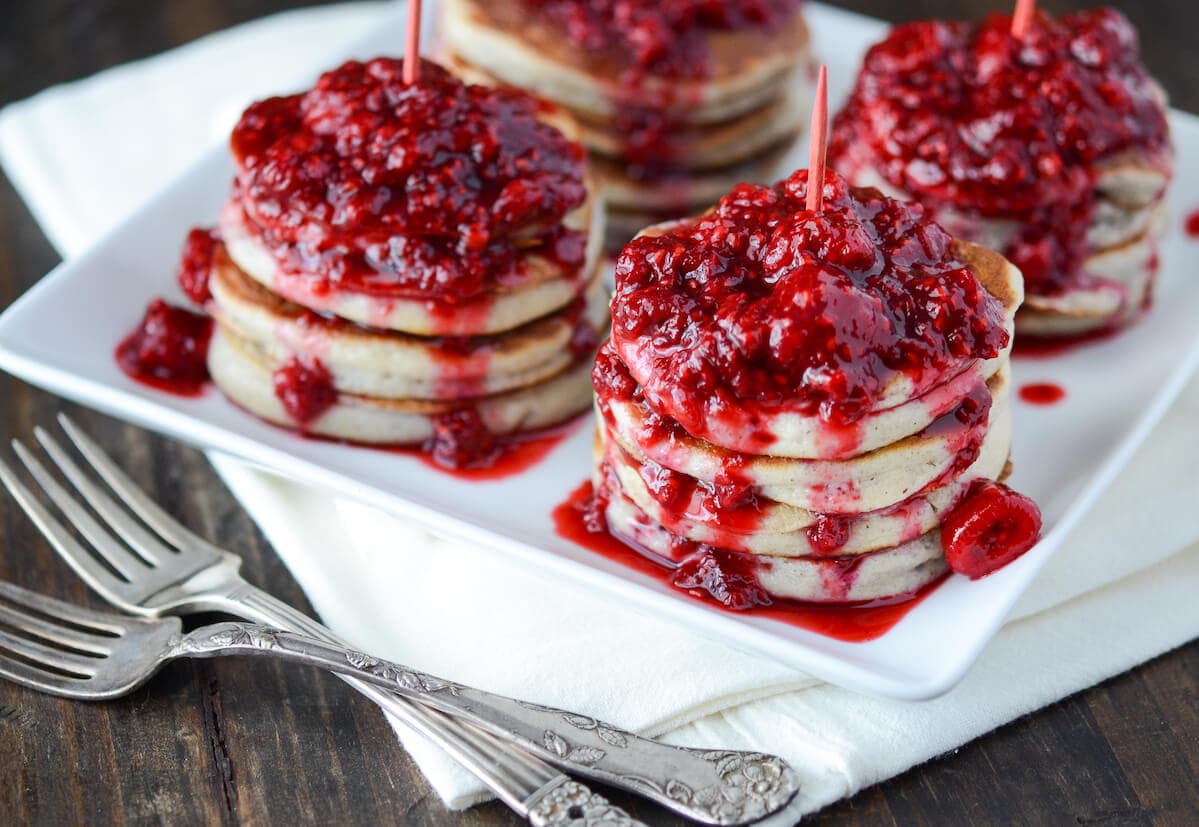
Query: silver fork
[[169, 570], [77, 653]]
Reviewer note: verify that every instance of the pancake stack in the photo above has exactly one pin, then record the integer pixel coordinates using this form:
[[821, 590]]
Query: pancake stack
[[792, 404], [407, 264], [1052, 147], [677, 102]]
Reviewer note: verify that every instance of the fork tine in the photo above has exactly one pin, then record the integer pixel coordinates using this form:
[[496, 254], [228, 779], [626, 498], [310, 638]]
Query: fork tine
[[78, 558], [103, 625], [100, 626], [148, 547], [76, 664], [31, 624], [52, 683], [129, 492]]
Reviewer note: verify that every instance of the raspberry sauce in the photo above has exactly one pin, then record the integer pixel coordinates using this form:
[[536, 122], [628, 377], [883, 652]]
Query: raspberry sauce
[[195, 265], [304, 387], [968, 119], [761, 306], [1191, 224], [367, 184], [168, 350], [989, 528], [580, 520], [1042, 393]]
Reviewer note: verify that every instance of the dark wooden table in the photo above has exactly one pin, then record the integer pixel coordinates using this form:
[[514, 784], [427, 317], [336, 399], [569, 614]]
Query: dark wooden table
[[216, 742]]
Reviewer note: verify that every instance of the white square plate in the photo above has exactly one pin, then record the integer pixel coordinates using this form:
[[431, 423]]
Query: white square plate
[[61, 335]]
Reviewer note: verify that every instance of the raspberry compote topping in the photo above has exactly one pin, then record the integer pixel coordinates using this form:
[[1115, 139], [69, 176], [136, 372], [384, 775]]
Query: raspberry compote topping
[[367, 184], [966, 116], [195, 266], [168, 350], [989, 528], [761, 307], [461, 440], [304, 387]]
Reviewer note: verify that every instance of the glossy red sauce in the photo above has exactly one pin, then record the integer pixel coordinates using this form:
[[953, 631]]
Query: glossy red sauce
[[506, 457], [168, 350], [761, 306], [195, 265], [304, 387], [1042, 393], [990, 527], [575, 520], [1191, 224], [965, 117], [368, 184]]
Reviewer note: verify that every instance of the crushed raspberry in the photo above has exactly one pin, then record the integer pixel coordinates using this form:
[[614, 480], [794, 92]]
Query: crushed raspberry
[[168, 349], [729, 577], [377, 186], [829, 534], [762, 303], [989, 528], [964, 115], [305, 388], [195, 267], [461, 440]]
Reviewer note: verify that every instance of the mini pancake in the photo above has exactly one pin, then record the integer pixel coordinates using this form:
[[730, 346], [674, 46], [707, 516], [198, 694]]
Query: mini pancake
[[543, 287], [879, 574], [905, 407], [369, 362], [868, 482], [248, 382], [502, 39], [781, 529]]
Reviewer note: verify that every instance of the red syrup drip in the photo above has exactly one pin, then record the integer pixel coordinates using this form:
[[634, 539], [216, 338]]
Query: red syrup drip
[[168, 350], [511, 455], [1191, 224], [576, 520], [1042, 393], [304, 387], [195, 265]]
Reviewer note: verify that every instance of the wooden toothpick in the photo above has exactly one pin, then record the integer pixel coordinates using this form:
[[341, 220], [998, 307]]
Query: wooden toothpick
[[1022, 17], [819, 134], [412, 50]]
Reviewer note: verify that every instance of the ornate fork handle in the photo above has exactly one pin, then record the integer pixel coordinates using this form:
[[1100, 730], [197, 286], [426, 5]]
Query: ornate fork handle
[[714, 786]]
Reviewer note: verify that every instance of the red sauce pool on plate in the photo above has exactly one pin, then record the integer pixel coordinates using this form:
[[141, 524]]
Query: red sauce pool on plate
[[850, 623], [1042, 393], [168, 350], [1192, 224]]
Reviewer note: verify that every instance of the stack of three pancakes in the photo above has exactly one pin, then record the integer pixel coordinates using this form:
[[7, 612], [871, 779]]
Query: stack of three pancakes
[[665, 142], [326, 344], [752, 506]]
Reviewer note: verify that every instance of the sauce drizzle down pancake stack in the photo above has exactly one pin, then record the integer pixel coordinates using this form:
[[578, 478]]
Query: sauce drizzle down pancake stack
[[809, 406], [1052, 148], [677, 101], [405, 264]]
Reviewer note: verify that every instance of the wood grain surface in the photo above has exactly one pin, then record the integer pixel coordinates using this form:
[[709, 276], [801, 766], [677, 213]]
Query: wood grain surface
[[217, 742]]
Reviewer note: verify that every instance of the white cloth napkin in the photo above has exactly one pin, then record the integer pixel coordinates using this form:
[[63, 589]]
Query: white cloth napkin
[[1119, 593]]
